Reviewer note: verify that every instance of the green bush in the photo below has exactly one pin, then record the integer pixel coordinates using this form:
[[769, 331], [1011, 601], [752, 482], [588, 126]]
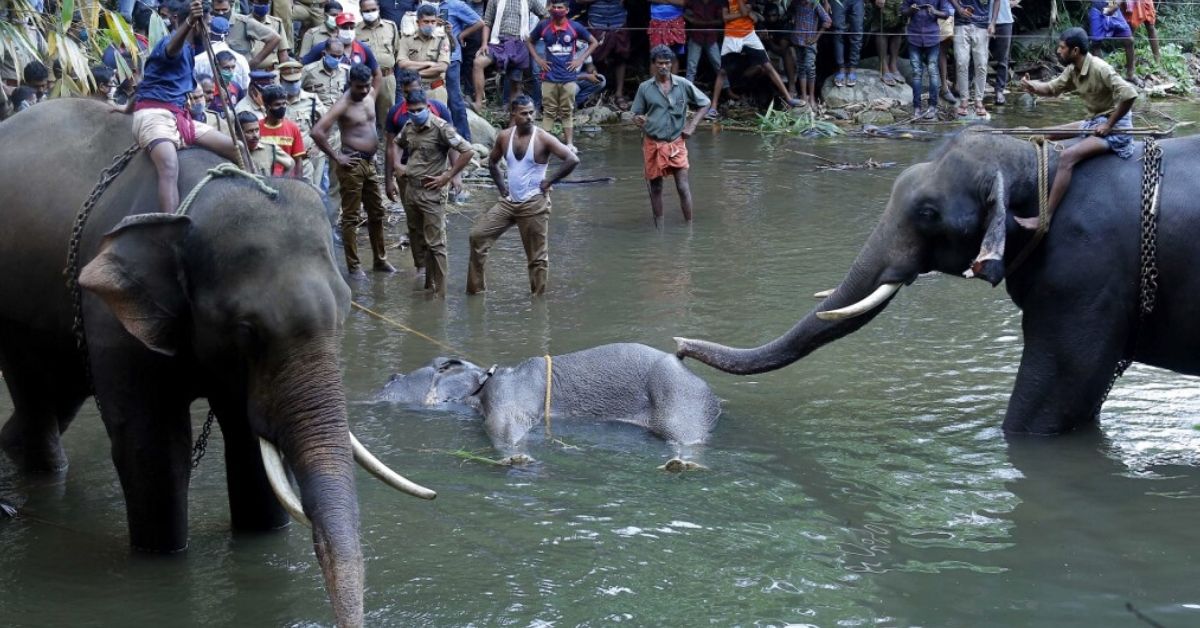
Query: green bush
[[1174, 64]]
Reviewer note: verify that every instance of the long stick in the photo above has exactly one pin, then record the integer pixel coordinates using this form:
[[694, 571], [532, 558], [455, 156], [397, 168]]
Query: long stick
[[235, 130], [1149, 132]]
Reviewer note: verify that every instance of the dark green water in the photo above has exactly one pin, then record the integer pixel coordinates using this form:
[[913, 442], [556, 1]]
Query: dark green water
[[869, 484]]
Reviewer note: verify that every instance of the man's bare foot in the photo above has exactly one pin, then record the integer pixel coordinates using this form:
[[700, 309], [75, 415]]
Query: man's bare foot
[[1030, 223]]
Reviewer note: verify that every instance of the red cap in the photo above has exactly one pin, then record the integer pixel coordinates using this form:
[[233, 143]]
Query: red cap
[[344, 18]]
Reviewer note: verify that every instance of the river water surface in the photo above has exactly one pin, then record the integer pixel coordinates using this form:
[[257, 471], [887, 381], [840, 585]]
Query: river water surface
[[868, 484]]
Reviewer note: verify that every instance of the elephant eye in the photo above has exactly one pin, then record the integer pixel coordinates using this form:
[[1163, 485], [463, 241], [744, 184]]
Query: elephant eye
[[926, 212]]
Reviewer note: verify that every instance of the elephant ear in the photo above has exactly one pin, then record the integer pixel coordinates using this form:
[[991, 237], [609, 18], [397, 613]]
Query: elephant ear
[[138, 275], [989, 263]]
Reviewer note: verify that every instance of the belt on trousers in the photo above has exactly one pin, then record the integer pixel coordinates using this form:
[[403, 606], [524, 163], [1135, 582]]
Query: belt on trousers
[[358, 153]]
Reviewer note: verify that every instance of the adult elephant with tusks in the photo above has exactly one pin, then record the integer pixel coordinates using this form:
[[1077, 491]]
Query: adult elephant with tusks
[[237, 301], [1078, 290]]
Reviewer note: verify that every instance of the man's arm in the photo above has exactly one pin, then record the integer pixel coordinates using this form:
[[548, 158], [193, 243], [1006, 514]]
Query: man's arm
[[494, 162], [391, 157], [554, 147], [314, 53], [468, 31], [1119, 112], [992, 18], [183, 33], [464, 158], [533, 54], [320, 132], [582, 57]]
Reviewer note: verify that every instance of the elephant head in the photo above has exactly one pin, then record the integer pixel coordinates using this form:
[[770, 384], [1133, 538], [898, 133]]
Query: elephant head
[[949, 214], [441, 382], [245, 291]]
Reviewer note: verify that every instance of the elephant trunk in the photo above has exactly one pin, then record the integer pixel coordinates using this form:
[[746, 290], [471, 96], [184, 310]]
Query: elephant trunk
[[306, 415], [867, 288]]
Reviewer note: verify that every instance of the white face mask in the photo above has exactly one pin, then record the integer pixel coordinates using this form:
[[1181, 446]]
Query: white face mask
[[371, 16], [346, 36]]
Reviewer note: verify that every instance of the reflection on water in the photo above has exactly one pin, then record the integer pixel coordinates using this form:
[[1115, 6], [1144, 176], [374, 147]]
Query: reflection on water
[[868, 484]]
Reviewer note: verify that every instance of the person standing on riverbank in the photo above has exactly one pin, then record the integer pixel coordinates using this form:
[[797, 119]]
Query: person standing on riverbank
[[924, 49], [660, 109], [524, 196], [741, 50]]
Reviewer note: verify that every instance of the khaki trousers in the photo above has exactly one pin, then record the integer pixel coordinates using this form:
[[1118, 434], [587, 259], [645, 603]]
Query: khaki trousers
[[426, 215], [385, 99], [361, 188], [532, 218], [558, 103]]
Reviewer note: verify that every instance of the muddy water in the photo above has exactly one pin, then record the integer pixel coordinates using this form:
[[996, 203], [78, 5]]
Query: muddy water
[[867, 485]]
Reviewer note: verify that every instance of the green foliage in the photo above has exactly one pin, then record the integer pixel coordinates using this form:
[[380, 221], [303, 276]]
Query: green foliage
[[26, 35], [788, 122], [1174, 65]]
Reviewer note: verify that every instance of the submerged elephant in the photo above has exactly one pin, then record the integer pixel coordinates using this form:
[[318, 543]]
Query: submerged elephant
[[1078, 291], [626, 382], [238, 301]]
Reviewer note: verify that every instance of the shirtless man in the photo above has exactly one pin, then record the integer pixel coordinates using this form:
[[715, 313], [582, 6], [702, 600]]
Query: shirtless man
[[354, 114], [524, 195]]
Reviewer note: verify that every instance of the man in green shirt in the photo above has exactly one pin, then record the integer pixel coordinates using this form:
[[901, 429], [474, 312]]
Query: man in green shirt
[[1108, 99], [660, 109]]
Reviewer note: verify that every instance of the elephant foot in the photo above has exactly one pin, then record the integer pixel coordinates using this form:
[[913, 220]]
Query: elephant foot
[[40, 455], [516, 460], [679, 465]]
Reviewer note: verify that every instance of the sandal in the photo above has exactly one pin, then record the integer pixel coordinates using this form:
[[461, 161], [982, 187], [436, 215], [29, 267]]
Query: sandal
[[980, 110], [851, 79], [839, 79], [961, 110], [888, 80]]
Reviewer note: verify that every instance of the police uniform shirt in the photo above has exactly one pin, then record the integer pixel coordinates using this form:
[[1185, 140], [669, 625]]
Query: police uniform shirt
[[328, 85], [383, 38], [428, 146], [245, 31]]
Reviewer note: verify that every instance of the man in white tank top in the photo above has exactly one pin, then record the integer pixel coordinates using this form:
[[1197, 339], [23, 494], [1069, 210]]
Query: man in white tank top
[[524, 195]]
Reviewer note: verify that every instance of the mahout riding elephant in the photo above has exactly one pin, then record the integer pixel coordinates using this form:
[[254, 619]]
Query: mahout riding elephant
[[238, 302], [625, 382], [1078, 290]]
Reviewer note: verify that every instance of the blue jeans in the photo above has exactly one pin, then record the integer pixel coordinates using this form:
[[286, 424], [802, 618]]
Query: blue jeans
[[712, 51], [587, 89], [458, 106], [806, 62], [922, 59], [847, 18]]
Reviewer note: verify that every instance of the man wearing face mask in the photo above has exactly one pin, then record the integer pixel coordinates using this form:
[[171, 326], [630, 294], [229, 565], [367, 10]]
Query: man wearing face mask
[[253, 103], [244, 31], [218, 29], [427, 52], [305, 109], [327, 78], [382, 36], [323, 30], [260, 11], [198, 107], [161, 123], [354, 51], [284, 134], [428, 141]]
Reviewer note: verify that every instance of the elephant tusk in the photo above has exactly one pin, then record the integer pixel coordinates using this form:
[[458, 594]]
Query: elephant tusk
[[278, 478], [824, 294], [874, 300], [375, 467]]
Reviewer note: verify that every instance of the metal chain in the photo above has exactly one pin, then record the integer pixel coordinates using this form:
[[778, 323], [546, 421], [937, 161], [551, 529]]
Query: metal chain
[[1148, 276], [201, 446], [107, 176]]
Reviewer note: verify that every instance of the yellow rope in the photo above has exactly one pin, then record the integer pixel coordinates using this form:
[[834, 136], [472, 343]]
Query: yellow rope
[[223, 170], [1042, 150], [410, 330], [549, 372]]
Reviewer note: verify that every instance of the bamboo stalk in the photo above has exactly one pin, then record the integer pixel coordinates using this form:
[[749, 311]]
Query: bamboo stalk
[[1145, 131]]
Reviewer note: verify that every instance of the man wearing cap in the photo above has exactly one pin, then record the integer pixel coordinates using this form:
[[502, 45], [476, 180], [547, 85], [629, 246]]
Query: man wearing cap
[[254, 103], [353, 51], [305, 109], [382, 36], [324, 24], [260, 11], [427, 53], [218, 29], [244, 32]]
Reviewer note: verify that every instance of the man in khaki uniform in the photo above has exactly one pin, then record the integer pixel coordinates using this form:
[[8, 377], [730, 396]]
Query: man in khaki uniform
[[326, 79], [427, 140], [427, 52], [244, 31], [325, 25], [305, 109], [260, 12], [383, 38], [253, 102]]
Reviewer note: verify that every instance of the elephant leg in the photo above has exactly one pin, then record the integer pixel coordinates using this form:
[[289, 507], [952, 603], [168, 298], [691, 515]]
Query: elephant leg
[[45, 399], [252, 504], [1066, 366], [145, 410]]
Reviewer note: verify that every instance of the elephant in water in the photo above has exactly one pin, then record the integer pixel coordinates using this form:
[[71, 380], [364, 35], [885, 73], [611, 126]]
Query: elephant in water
[[1078, 290], [239, 302], [626, 382]]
